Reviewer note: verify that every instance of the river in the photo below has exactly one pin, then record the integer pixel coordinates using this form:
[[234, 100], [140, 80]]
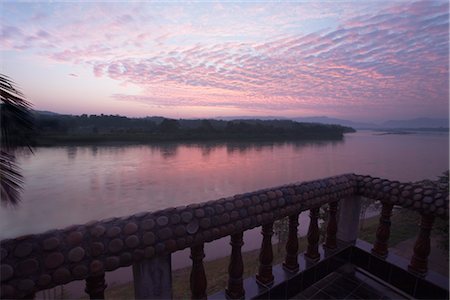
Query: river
[[76, 184]]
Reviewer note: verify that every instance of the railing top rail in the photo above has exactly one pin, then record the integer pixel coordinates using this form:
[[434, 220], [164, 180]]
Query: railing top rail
[[35, 262], [426, 198]]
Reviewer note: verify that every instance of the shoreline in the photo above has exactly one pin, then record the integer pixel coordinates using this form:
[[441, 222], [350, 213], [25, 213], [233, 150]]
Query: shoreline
[[48, 141]]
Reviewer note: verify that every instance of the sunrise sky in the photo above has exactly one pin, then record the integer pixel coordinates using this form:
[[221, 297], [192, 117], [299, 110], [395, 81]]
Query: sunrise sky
[[362, 60]]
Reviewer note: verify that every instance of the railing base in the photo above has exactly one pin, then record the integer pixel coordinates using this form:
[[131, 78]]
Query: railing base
[[291, 269], [419, 273], [312, 259], [330, 248], [264, 281], [380, 255]]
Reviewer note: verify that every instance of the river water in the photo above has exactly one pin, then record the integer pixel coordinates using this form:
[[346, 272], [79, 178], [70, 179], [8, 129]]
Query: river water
[[77, 184], [74, 185]]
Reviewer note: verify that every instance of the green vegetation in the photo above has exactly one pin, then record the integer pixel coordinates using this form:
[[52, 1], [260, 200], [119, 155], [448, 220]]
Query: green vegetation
[[62, 129], [405, 225]]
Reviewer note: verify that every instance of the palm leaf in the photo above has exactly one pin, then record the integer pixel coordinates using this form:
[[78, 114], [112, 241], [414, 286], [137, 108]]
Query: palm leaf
[[11, 179], [17, 126], [16, 118]]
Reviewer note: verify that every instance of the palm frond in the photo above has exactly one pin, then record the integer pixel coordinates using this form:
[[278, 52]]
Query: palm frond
[[17, 129], [10, 179], [16, 118]]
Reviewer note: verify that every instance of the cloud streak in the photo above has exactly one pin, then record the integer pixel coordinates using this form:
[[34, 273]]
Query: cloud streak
[[394, 58]]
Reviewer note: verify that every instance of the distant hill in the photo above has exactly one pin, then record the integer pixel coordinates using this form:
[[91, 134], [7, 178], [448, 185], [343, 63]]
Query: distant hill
[[158, 120], [327, 120], [231, 118], [320, 120], [45, 113], [417, 123]]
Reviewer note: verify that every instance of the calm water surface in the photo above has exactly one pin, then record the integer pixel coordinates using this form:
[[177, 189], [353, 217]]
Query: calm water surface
[[74, 185]]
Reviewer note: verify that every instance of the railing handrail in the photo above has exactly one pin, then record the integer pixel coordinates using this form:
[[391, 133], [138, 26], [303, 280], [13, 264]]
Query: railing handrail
[[425, 198], [41, 261]]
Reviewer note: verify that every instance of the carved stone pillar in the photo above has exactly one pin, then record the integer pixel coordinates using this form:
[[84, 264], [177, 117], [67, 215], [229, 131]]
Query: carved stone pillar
[[419, 260], [291, 262], [95, 286], [265, 276], [349, 212], [330, 241], [380, 247], [313, 235], [198, 276], [235, 289], [153, 278]]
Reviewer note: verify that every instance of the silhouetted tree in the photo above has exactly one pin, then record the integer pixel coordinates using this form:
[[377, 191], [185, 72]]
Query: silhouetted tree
[[169, 126], [16, 130], [205, 126]]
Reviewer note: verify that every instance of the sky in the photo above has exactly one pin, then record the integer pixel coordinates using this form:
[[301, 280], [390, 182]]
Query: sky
[[361, 60]]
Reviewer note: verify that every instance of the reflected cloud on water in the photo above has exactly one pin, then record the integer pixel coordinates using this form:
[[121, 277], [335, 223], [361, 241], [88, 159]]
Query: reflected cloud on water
[[102, 181]]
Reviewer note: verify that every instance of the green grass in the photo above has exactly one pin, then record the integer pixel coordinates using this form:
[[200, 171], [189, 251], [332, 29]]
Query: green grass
[[404, 225]]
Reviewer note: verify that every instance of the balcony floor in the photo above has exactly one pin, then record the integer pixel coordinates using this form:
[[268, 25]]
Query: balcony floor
[[350, 282]]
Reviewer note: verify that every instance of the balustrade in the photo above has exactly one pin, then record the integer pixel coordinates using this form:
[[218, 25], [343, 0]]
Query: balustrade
[[331, 241], [380, 247], [235, 288], [95, 286], [198, 276], [147, 240], [291, 261], [419, 260], [265, 276], [313, 235], [152, 278]]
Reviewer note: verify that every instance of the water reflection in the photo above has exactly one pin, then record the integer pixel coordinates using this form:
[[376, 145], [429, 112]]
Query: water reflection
[[94, 150], [168, 151], [76, 184], [72, 152]]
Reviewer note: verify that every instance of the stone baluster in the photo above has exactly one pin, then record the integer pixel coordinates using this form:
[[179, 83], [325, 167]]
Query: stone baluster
[[95, 286], [291, 261], [419, 260], [235, 289], [380, 247], [330, 241], [265, 276], [313, 235], [153, 278], [349, 212], [198, 276]]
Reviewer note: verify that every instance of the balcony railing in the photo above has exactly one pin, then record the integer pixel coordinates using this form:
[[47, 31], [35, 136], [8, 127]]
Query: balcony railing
[[146, 240]]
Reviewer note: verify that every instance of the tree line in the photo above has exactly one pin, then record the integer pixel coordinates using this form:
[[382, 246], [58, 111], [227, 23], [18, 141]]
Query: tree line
[[55, 128]]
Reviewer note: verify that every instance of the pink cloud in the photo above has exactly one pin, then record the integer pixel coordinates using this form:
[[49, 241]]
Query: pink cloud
[[392, 57]]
